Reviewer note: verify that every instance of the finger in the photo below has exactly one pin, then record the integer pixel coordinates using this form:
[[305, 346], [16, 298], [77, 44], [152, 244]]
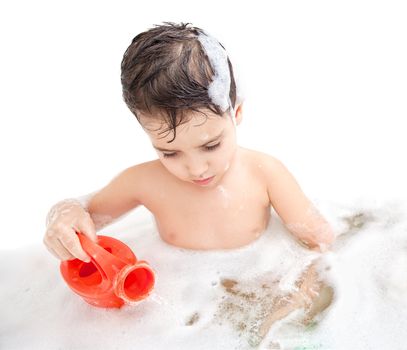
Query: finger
[[72, 244], [55, 248], [87, 227], [61, 251], [51, 250]]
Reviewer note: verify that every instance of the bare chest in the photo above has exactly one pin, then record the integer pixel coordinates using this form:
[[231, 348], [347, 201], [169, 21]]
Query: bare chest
[[233, 215]]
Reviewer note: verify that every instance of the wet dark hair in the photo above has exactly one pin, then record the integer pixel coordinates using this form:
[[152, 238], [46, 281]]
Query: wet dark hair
[[165, 72]]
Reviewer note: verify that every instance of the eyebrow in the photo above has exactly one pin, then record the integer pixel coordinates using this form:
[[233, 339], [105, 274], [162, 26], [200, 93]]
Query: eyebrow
[[175, 150]]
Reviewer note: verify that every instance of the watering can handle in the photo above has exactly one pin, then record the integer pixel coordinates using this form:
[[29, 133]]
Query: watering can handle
[[106, 263]]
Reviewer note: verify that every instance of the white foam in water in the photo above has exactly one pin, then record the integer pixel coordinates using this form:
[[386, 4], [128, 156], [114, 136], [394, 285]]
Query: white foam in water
[[217, 299]]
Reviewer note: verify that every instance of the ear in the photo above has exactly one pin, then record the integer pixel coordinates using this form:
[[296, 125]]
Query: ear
[[238, 113]]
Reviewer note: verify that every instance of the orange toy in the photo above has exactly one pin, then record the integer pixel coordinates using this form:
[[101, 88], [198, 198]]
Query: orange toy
[[112, 277]]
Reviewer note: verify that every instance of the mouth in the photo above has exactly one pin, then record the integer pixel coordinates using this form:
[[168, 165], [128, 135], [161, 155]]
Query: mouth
[[204, 181]]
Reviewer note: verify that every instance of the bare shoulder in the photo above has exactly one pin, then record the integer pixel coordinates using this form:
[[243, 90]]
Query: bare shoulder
[[270, 171], [142, 175], [127, 190], [262, 162], [133, 182], [143, 170]]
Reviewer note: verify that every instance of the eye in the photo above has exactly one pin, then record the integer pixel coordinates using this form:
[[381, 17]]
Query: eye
[[211, 148], [208, 148], [168, 155]]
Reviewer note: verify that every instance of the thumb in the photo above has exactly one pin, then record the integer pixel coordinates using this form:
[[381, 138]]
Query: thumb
[[87, 227]]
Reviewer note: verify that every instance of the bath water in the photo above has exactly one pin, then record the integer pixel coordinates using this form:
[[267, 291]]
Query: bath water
[[220, 299]]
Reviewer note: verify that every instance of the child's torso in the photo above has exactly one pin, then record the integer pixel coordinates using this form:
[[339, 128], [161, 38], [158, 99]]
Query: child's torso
[[233, 214]]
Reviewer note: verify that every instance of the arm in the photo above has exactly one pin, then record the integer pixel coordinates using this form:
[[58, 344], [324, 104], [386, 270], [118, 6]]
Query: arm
[[117, 198], [297, 212], [90, 213]]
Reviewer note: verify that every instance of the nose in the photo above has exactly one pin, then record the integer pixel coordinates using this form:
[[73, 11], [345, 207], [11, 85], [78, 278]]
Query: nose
[[197, 168]]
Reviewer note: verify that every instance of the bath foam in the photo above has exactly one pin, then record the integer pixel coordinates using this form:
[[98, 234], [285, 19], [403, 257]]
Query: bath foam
[[219, 88], [367, 271], [218, 299]]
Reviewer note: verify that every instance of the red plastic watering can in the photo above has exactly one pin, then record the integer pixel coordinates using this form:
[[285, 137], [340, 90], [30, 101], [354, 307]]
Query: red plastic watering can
[[112, 278]]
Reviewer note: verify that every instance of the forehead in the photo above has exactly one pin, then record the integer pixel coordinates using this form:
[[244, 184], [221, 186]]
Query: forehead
[[196, 126]]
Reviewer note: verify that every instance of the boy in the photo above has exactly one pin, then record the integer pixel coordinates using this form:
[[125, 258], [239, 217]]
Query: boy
[[204, 191]]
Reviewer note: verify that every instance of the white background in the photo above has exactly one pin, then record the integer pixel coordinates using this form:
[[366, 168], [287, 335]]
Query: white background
[[325, 85]]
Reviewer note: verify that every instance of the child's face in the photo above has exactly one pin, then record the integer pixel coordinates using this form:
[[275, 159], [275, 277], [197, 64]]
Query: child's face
[[197, 152]]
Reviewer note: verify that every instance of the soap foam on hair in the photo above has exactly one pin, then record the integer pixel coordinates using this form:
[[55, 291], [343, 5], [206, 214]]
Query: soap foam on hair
[[219, 88]]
